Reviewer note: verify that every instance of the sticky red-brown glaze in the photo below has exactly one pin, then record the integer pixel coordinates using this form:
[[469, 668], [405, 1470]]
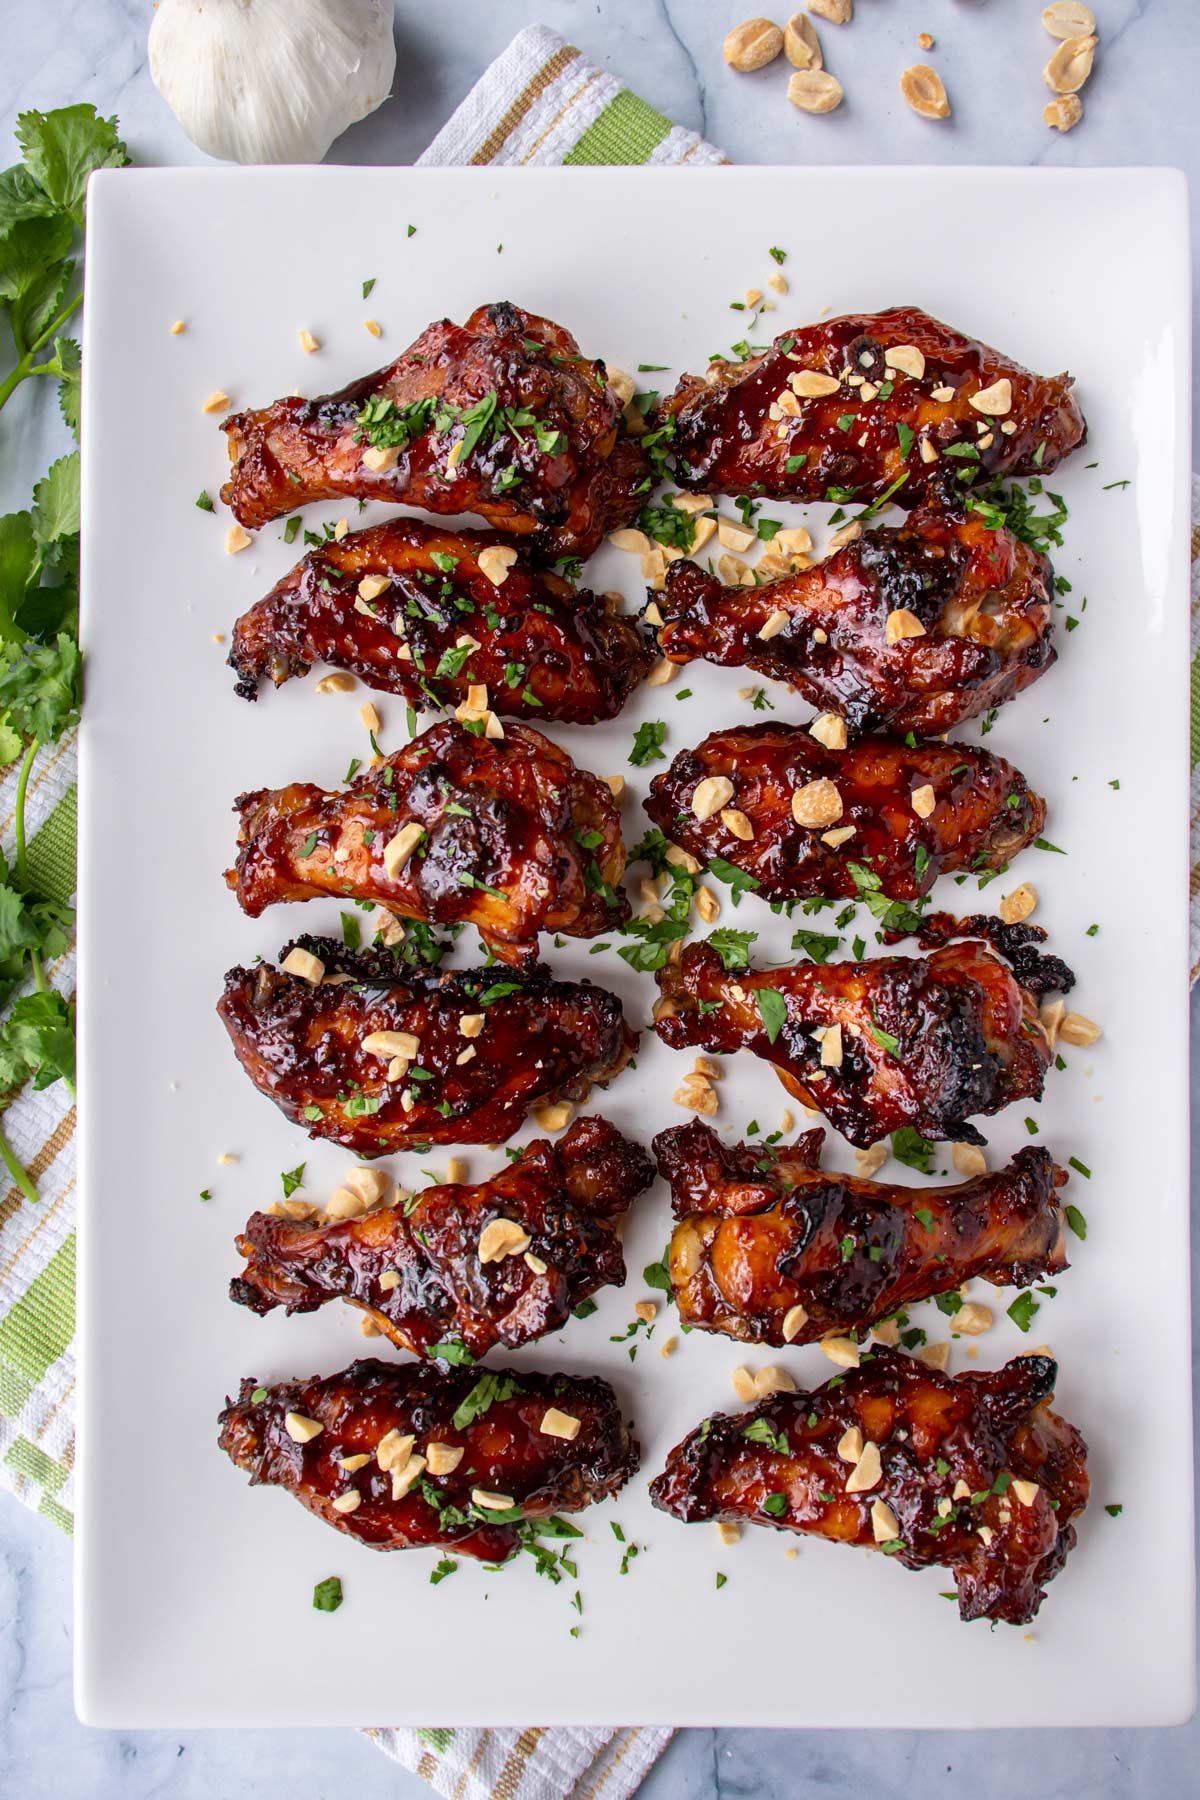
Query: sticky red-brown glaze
[[565, 1196], [984, 812], [302, 1046], [727, 442], [925, 1041], [983, 598], [762, 1230], [517, 840], [563, 498], [505, 1451], [946, 1444], [543, 650]]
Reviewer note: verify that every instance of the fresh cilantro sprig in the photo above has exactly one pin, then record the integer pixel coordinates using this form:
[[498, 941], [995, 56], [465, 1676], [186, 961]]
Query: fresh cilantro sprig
[[42, 217]]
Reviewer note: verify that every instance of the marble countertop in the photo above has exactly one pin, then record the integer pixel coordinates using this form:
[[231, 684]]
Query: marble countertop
[[1139, 109]]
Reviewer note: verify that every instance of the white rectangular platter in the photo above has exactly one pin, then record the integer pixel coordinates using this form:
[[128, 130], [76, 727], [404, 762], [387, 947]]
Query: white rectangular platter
[[195, 1591]]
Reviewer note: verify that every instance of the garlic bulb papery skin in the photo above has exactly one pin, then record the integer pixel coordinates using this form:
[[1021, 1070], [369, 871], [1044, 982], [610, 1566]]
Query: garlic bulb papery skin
[[271, 81]]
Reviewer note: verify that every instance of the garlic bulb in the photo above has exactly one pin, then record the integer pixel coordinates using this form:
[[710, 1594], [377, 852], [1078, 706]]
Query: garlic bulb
[[271, 81]]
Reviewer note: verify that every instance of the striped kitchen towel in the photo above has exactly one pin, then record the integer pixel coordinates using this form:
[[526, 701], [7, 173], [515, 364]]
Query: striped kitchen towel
[[542, 103]]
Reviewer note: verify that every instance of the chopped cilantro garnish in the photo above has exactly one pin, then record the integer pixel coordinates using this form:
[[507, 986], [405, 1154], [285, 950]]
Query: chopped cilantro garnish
[[647, 745], [327, 1595], [733, 947], [819, 946], [737, 879], [772, 1009], [1022, 1310], [487, 1390]]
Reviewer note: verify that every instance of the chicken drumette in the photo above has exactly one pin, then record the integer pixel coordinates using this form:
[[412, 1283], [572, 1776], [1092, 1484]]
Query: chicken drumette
[[973, 1473], [380, 1058], [404, 1456], [502, 1262], [411, 609], [803, 820], [867, 404], [772, 1249], [504, 834], [910, 628], [501, 416], [877, 1045]]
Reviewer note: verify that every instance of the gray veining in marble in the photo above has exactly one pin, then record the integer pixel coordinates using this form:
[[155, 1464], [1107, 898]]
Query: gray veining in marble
[[1140, 109]]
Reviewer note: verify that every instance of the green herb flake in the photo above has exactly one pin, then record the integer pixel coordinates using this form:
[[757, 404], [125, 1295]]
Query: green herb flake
[[910, 1148], [1022, 1311], [327, 1595], [772, 1010], [647, 744]]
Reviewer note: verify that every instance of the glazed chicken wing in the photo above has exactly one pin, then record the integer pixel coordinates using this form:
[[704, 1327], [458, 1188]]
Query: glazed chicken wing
[[913, 628], [379, 1058], [772, 1249], [920, 1041], [867, 404], [408, 609], [499, 1263], [501, 416], [504, 834], [802, 819], [973, 1473], [405, 1456]]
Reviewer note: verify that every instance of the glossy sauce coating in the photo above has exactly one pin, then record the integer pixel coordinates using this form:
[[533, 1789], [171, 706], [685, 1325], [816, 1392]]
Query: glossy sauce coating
[[856, 441], [302, 1047], [763, 1230], [983, 811], [515, 840], [415, 1267], [951, 1448], [924, 1042], [543, 650], [983, 600], [547, 462], [505, 1451]]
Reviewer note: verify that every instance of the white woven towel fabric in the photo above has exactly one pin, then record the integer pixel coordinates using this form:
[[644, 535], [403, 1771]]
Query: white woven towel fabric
[[542, 103], [578, 1763]]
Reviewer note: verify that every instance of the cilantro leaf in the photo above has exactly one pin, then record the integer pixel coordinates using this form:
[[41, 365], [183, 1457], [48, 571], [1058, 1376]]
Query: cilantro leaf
[[487, 1390], [64, 147], [40, 687], [733, 947], [647, 745], [1022, 1310], [737, 879], [56, 501], [819, 946], [40, 1033], [658, 1275], [910, 1148], [772, 1009]]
